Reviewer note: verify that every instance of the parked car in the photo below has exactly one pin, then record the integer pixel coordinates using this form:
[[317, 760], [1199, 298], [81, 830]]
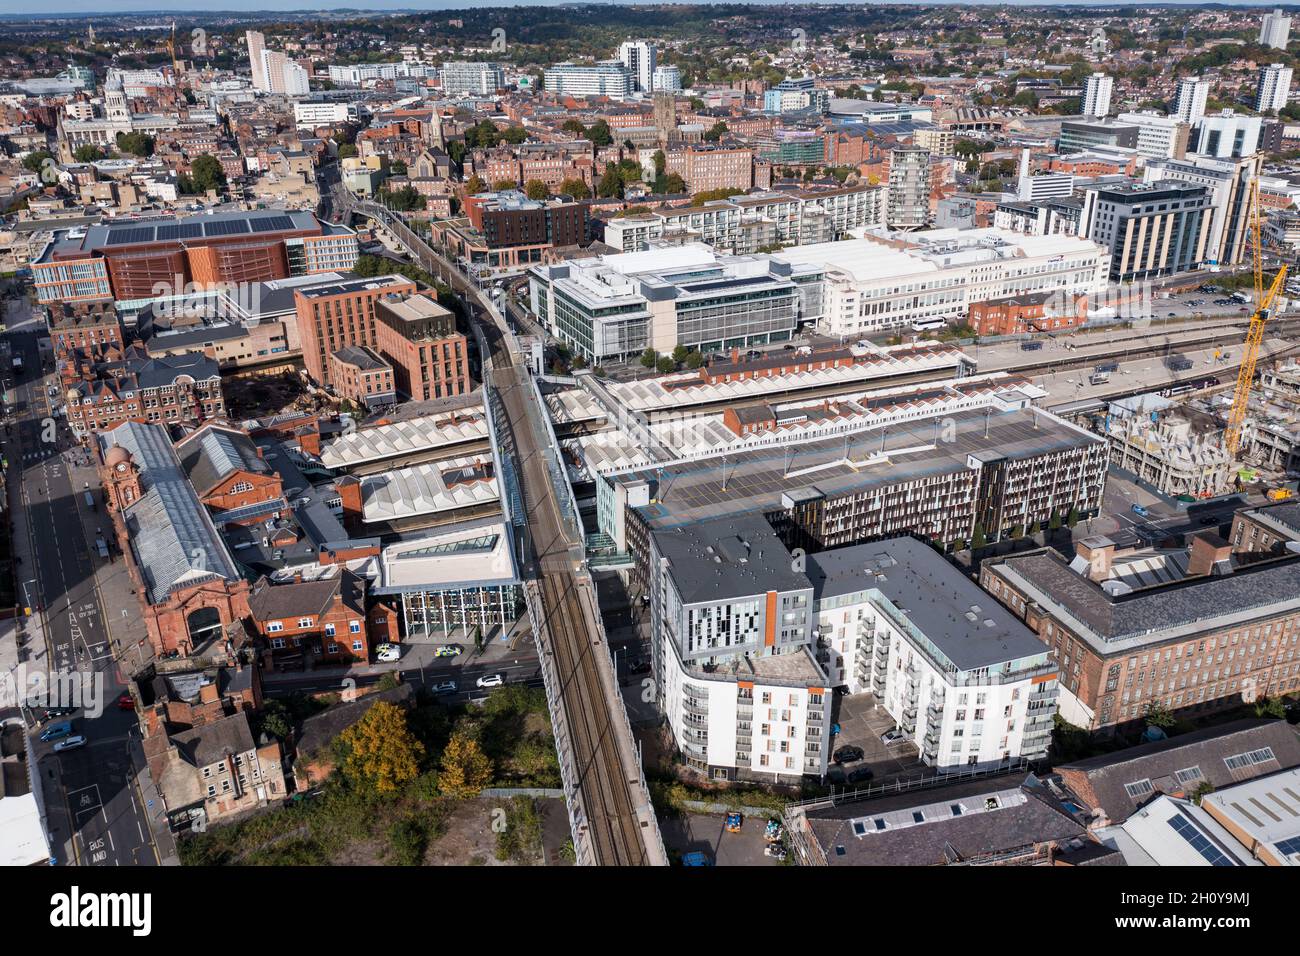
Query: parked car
[[55, 731], [448, 650], [126, 702], [848, 754], [490, 680], [1141, 511], [443, 688], [894, 736], [696, 858], [638, 665], [387, 653], [858, 775], [71, 743], [54, 713]]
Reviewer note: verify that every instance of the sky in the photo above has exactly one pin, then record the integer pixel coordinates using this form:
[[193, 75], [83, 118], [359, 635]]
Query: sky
[[108, 7]]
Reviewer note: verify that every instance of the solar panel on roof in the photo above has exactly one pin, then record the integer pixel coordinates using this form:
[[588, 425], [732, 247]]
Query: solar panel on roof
[[274, 224], [226, 227], [120, 237], [184, 230]]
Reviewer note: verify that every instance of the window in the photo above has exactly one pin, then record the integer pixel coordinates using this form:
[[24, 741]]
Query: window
[[1139, 788], [274, 626], [329, 630], [354, 627], [1190, 775], [277, 643], [1253, 758], [358, 645], [304, 622]]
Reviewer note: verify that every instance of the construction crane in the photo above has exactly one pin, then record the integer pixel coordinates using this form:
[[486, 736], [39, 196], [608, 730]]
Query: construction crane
[[171, 49], [1264, 299]]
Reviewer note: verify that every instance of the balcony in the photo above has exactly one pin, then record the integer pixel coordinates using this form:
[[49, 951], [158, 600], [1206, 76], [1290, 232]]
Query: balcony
[[1044, 695], [694, 707]]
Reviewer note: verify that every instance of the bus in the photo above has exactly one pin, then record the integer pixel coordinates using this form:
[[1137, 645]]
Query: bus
[[927, 325]]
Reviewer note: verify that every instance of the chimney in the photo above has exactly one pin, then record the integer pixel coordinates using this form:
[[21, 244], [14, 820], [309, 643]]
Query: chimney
[[735, 356], [349, 489], [1206, 551], [1099, 551]]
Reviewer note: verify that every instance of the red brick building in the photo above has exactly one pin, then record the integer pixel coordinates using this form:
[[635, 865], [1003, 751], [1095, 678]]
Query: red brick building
[[93, 329], [226, 469], [1026, 314], [325, 617], [361, 376], [170, 389], [418, 336], [334, 316]]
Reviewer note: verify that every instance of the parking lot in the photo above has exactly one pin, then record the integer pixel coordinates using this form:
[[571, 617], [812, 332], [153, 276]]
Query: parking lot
[[861, 723], [706, 833]]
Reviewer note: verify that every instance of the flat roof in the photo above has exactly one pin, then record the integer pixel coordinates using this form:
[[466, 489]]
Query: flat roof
[[470, 555]]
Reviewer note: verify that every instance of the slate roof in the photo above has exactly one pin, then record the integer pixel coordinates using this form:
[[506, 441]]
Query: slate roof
[[213, 452], [209, 743], [271, 602], [728, 558], [1026, 813], [1099, 781], [1193, 604], [174, 541]]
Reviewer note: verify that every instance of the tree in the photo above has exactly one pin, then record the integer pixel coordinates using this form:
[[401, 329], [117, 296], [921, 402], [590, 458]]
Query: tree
[[397, 168], [205, 173], [347, 151], [381, 750], [35, 160], [575, 188], [1072, 517], [405, 199], [694, 360], [575, 127], [536, 189], [661, 163], [465, 768], [611, 183], [475, 185], [1270, 707], [1202, 789], [978, 538], [714, 132], [599, 134], [670, 185], [137, 144], [87, 153], [665, 364], [1156, 715], [1055, 523], [649, 358], [514, 135], [501, 184], [680, 353]]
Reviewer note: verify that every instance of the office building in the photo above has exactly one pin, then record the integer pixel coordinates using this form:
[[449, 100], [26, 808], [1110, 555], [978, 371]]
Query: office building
[[1149, 229], [619, 305], [1080, 136], [331, 317], [361, 375], [137, 262], [1275, 30], [638, 57], [1274, 89], [795, 95], [1191, 632], [867, 285], [907, 204], [609, 78], [1227, 135], [1096, 95], [1227, 182], [482, 79], [1189, 102], [1158, 136]]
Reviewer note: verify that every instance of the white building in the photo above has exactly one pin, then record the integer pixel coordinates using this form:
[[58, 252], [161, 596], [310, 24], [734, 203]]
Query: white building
[[1096, 94], [667, 79], [638, 56], [962, 677], [867, 286], [283, 75], [608, 78], [313, 114], [1228, 182], [1227, 135], [483, 79], [1159, 136], [1189, 103], [1275, 30], [1274, 88], [256, 45]]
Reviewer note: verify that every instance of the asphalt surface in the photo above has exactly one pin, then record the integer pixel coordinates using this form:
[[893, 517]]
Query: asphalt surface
[[104, 805]]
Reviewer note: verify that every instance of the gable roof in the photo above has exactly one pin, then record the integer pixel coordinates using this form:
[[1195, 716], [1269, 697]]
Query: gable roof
[[214, 452], [272, 602], [1100, 781]]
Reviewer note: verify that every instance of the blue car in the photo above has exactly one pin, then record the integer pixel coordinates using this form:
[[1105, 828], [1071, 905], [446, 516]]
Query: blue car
[[1141, 512], [56, 731]]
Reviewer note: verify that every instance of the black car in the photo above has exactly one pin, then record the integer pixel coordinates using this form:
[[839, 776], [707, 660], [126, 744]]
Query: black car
[[858, 775], [848, 754], [1209, 519]]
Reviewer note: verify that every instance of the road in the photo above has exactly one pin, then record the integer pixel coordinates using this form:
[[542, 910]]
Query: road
[[614, 803], [104, 805]]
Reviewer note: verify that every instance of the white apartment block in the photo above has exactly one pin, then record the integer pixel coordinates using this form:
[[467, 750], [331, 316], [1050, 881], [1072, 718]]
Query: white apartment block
[[1274, 88], [1189, 104], [868, 286], [965, 680], [638, 57], [1275, 30], [667, 79], [309, 114], [608, 78], [1227, 135], [1096, 94], [483, 79]]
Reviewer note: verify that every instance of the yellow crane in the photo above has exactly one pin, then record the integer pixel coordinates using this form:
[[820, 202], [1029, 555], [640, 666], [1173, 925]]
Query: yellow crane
[[171, 48], [1264, 299]]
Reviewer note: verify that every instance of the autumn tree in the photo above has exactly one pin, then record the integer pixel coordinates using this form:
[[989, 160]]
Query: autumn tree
[[381, 750], [536, 189], [465, 768]]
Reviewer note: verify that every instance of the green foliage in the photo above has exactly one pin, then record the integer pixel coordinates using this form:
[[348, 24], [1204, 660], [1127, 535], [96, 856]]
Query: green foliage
[[405, 199], [665, 365], [649, 358], [408, 839], [1202, 789], [1270, 707], [137, 144], [521, 838], [715, 132], [33, 161], [87, 153], [536, 189], [978, 538], [575, 188], [347, 151], [1157, 715], [680, 353], [713, 195], [599, 134], [205, 173]]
